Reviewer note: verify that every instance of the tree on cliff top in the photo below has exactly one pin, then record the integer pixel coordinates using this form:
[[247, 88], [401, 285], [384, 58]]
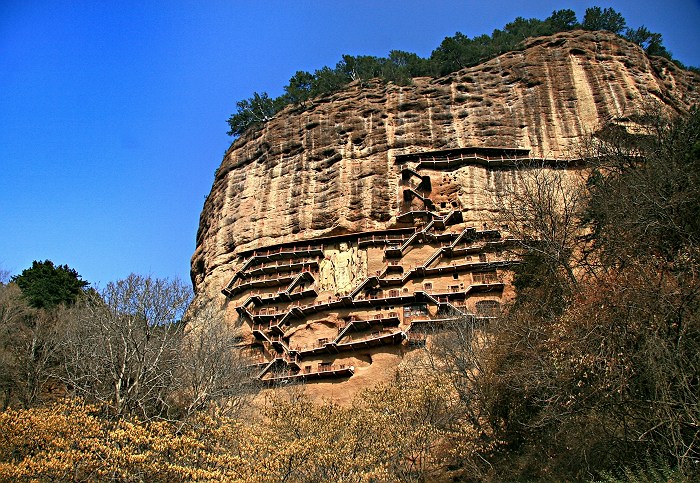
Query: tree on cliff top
[[253, 111], [608, 19], [454, 53]]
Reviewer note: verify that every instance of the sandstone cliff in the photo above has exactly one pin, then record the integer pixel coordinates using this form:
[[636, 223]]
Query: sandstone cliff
[[328, 168], [342, 232]]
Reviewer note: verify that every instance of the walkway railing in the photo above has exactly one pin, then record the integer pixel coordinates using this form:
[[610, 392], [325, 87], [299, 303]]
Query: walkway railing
[[270, 323], [321, 372]]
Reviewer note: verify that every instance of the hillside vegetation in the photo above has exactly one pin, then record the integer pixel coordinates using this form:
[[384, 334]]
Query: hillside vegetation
[[453, 54]]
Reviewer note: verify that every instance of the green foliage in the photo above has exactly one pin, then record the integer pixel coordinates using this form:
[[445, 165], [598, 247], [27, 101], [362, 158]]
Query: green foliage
[[400, 67], [361, 67], [46, 286], [403, 66], [608, 19], [327, 80], [453, 53], [651, 471], [298, 91], [563, 20], [666, 166], [649, 41], [522, 28], [254, 111]]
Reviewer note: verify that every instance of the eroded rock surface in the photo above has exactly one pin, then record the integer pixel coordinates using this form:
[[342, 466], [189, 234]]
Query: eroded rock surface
[[328, 172], [326, 168]]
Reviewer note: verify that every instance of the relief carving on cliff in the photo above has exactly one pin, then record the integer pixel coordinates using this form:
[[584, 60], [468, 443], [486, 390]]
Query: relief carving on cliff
[[342, 269]]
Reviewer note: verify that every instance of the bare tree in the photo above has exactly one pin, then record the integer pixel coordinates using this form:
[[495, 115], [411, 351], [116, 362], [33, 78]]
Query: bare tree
[[542, 210], [211, 368], [12, 310], [122, 346], [4, 276], [27, 347], [644, 211], [457, 347]]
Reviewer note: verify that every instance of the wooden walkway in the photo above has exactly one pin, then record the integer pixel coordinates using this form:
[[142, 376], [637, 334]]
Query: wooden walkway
[[494, 158], [292, 267]]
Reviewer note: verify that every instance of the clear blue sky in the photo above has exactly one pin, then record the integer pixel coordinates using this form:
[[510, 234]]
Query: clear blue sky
[[113, 113]]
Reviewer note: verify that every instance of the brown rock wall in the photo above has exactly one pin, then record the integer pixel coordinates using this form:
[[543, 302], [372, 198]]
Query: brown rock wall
[[329, 169]]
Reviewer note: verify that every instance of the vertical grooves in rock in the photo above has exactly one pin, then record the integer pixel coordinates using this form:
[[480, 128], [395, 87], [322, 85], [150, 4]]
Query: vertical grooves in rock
[[328, 167]]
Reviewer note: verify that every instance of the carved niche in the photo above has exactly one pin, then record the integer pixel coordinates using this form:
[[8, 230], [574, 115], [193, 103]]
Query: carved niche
[[342, 268]]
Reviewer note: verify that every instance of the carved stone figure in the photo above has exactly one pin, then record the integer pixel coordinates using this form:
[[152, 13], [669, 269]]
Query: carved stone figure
[[344, 266], [342, 269], [326, 278], [361, 265]]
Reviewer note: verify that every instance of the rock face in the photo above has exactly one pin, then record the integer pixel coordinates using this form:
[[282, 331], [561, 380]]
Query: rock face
[[335, 229]]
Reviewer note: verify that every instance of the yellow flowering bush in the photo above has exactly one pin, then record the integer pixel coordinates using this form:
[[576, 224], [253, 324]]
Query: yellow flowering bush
[[408, 430]]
